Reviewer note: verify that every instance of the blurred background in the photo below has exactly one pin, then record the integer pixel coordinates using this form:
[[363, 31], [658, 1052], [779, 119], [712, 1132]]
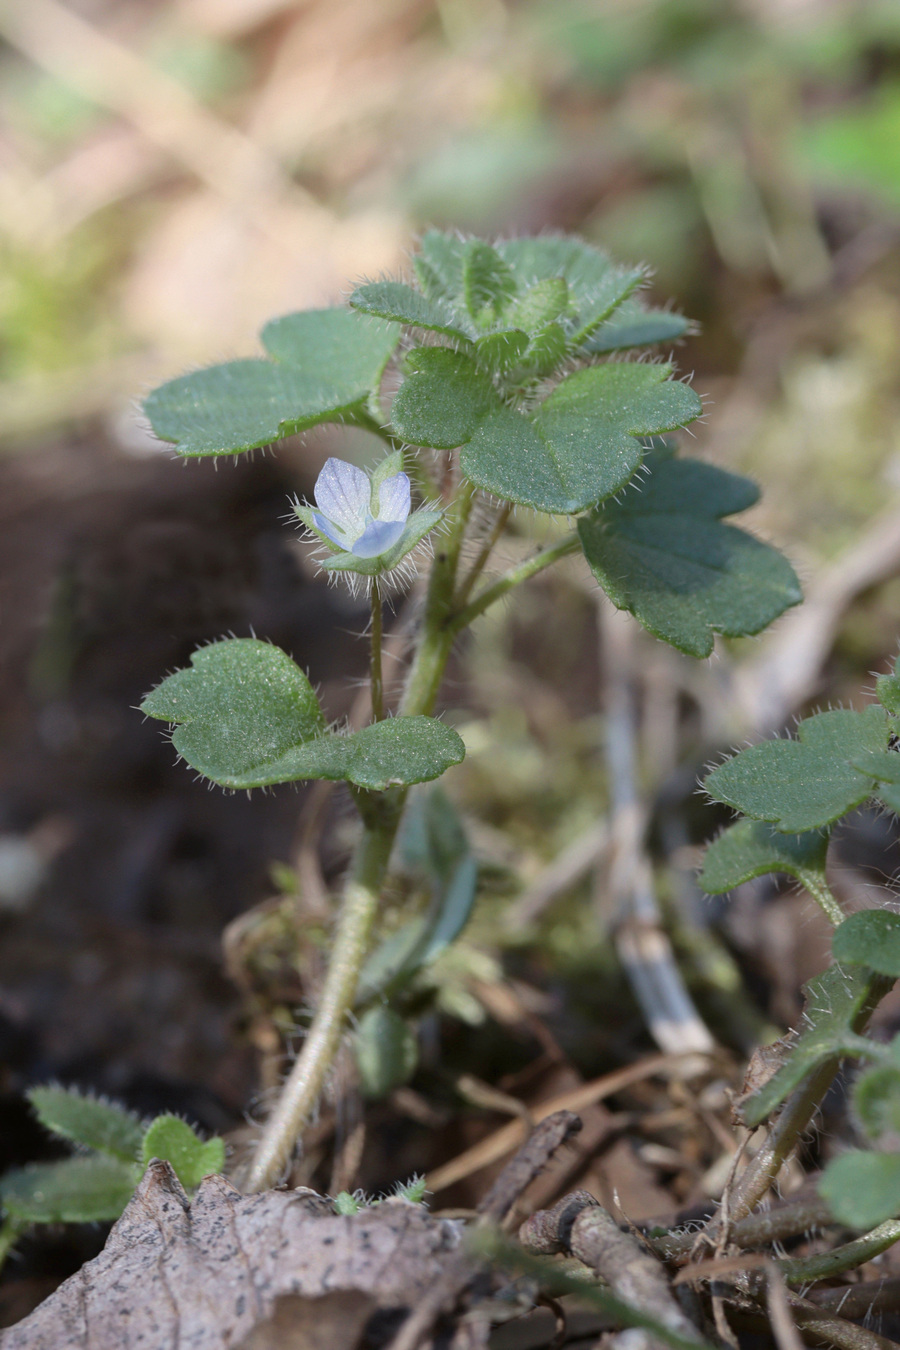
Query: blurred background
[[174, 173]]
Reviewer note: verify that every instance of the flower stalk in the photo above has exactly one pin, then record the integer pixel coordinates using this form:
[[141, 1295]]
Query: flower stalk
[[375, 676]]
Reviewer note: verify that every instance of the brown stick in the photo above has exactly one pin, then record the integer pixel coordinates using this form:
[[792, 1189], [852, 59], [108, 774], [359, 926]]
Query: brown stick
[[580, 1226]]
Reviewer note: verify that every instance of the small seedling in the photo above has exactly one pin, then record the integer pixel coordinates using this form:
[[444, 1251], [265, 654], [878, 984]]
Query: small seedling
[[113, 1149]]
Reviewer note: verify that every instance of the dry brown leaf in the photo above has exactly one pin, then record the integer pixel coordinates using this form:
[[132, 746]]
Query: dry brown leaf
[[322, 1323], [207, 1273]]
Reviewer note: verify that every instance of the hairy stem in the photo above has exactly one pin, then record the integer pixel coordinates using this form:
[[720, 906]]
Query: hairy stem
[[468, 582], [375, 677], [307, 1078], [756, 1230], [852, 1254], [793, 1119], [530, 568], [822, 893], [381, 813]]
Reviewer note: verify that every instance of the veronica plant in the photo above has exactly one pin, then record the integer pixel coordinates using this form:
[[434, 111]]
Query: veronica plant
[[791, 791], [514, 386]]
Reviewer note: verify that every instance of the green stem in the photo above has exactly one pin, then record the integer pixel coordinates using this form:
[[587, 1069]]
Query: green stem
[[307, 1078], [793, 1119], [546, 558], [852, 1254], [438, 633], [381, 813], [822, 893], [475, 571], [756, 1230], [376, 682]]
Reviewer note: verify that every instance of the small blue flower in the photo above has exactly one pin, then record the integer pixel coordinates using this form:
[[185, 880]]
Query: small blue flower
[[359, 517], [366, 520]]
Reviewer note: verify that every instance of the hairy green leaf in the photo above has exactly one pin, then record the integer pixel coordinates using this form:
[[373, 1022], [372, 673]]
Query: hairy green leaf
[[333, 340], [545, 351], [862, 1190], [580, 445], [172, 1139], [239, 707], [752, 848], [540, 304], [599, 302], [399, 302], [663, 553], [397, 751], [487, 283], [807, 783], [884, 766], [439, 265], [442, 399], [92, 1189], [634, 326], [870, 938], [88, 1120], [329, 362], [246, 716], [834, 1001], [597, 285], [498, 352], [386, 1051], [887, 690]]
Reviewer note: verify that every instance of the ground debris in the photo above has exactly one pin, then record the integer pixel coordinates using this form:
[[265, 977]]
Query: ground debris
[[214, 1272]]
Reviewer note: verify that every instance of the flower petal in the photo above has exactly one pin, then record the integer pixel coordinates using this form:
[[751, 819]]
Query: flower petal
[[378, 537], [331, 531], [394, 499], [342, 493]]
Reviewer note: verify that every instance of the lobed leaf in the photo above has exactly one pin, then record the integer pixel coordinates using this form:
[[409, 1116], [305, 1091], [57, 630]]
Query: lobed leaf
[[170, 1138], [580, 446], [664, 554], [86, 1120], [329, 363], [870, 938], [246, 716], [752, 848], [862, 1189], [807, 783], [93, 1189], [238, 709]]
